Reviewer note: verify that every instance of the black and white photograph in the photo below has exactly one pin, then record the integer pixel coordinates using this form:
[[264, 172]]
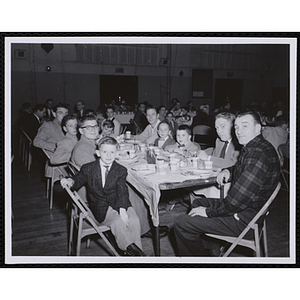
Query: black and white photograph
[[150, 150]]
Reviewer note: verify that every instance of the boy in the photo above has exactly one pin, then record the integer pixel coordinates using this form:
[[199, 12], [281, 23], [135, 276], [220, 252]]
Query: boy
[[109, 197], [63, 151], [84, 150], [183, 137], [165, 135]]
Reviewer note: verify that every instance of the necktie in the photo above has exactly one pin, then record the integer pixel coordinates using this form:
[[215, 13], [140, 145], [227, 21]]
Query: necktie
[[106, 173], [222, 155]]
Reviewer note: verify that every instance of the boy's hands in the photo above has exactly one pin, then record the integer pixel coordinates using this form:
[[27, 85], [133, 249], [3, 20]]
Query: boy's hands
[[124, 216], [66, 182], [223, 177]]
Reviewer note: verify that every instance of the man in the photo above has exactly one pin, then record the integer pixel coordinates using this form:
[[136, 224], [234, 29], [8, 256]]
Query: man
[[51, 132], [140, 118], [34, 120], [50, 113], [110, 112], [224, 155], [149, 135], [255, 177], [79, 109]]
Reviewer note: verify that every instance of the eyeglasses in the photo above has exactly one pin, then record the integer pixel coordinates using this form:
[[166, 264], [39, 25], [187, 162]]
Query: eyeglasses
[[90, 127]]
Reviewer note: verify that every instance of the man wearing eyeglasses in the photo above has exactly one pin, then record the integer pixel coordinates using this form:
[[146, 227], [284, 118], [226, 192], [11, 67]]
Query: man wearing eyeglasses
[[84, 150]]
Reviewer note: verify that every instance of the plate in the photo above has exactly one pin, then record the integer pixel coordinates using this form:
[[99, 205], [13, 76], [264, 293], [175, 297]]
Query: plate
[[200, 173], [144, 167], [127, 159]]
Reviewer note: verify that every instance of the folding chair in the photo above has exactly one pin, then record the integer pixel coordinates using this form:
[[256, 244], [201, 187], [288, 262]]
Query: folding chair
[[284, 166], [56, 173], [74, 169], [25, 147], [83, 219], [135, 127], [259, 233], [203, 135]]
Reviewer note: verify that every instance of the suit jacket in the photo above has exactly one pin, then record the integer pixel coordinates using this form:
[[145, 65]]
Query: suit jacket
[[63, 150], [31, 126], [140, 119], [83, 152], [114, 193], [168, 142], [231, 155], [48, 135]]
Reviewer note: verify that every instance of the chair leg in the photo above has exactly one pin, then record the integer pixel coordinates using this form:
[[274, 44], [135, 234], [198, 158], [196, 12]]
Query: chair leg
[[71, 233], [51, 194], [257, 241], [47, 187], [264, 232], [88, 242], [79, 236]]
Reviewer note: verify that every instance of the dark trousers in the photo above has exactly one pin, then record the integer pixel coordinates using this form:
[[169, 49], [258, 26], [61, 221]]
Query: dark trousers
[[189, 230]]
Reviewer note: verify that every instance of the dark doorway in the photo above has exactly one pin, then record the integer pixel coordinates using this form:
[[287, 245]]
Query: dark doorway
[[229, 90], [114, 86]]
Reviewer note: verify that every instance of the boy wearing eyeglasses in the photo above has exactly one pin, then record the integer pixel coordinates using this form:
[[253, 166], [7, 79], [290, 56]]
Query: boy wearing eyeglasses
[[84, 150]]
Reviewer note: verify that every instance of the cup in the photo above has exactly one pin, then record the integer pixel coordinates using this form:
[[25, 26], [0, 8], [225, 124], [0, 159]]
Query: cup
[[208, 164], [157, 151], [128, 134], [122, 146], [195, 162], [143, 147]]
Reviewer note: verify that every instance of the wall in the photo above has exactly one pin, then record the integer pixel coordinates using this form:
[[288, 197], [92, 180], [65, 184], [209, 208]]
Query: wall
[[75, 71]]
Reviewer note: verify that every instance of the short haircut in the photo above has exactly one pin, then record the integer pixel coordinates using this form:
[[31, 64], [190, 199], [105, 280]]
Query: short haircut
[[163, 122], [160, 107], [108, 124], [226, 115], [169, 113], [142, 103], [184, 107], [63, 105], [186, 128], [150, 107], [39, 107], [80, 101], [252, 113], [108, 140], [67, 118], [86, 118], [110, 107]]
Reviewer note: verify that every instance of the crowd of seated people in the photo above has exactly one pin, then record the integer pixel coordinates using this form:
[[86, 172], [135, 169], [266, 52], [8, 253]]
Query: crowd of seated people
[[74, 137]]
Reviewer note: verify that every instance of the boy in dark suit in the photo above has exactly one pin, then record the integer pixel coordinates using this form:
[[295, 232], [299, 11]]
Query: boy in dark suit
[[108, 196]]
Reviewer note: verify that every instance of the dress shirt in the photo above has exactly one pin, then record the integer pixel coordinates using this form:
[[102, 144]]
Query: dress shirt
[[149, 135], [162, 141], [103, 171], [255, 176]]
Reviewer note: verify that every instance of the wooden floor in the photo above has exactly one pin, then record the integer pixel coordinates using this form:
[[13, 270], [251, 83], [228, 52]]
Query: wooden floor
[[38, 231]]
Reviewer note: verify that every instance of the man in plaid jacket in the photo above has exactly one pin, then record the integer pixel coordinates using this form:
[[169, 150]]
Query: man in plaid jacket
[[254, 178]]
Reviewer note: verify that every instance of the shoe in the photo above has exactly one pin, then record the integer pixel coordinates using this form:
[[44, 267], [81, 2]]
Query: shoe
[[134, 250], [163, 231]]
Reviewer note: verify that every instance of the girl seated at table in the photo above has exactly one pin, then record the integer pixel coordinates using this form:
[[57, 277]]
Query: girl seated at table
[[184, 143], [109, 197], [108, 128], [165, 135]]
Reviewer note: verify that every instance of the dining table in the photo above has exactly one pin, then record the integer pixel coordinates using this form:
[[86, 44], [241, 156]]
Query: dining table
[[149, 182]]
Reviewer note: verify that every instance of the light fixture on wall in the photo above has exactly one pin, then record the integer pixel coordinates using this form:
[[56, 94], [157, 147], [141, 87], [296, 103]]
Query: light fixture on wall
[[181, 73], [48, 69]]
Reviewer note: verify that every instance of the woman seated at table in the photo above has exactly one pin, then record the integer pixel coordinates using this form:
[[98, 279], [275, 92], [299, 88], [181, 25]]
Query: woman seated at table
[[184, 143], [165, 135]]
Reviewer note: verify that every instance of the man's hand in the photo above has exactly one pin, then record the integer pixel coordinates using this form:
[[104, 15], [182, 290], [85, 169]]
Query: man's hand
[[198, 211], [223, 177], [124, 216], [202, 155], [66, 182]]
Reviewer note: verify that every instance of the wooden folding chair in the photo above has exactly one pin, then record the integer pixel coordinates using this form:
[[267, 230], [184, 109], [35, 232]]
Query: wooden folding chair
[[259, 233], [83, 219], [135, 127], [25, 148], [73, 169]]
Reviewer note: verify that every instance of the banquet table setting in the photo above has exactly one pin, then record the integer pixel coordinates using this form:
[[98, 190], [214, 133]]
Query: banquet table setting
[[170, 171]]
